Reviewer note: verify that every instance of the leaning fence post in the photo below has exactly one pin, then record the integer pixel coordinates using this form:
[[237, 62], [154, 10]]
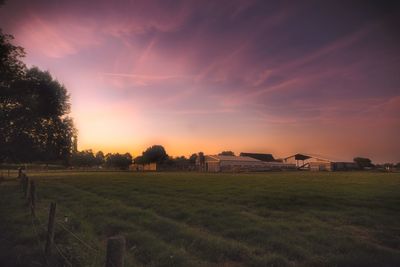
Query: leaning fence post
[[50, 229], [32, 197], [115, 251]]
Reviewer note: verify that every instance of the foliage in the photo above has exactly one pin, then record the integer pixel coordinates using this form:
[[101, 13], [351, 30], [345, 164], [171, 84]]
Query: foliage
[[87, 158], [100, 158], [227, 153], [155, 153], [118, 161], [179, 162], [363, 162], [34, 122], [201, 158], [193, 158], [11, 66], [83, 158]]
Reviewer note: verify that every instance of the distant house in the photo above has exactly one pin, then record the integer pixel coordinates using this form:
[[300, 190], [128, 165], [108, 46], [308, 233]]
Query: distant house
[[313, 162]]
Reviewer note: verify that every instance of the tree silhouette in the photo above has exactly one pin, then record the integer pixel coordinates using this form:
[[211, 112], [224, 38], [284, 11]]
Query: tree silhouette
[[363, 162], [118, 161], [226, 153], [193, 158], [34, 122], [155, 153]]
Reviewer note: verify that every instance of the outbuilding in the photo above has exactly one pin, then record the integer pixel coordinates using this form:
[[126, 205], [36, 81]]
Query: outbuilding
[[314, 162]]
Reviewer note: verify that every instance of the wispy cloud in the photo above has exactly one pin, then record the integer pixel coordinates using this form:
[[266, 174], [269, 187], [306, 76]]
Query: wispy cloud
[[279, 68]]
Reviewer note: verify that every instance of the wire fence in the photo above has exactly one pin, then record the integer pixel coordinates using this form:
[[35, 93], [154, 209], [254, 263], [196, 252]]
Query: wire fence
[[115, 252]]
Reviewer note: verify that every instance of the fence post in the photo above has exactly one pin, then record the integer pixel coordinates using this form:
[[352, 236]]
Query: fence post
[[115, 251], [21, 181], [25, 185], [50, 229], [32, 198]]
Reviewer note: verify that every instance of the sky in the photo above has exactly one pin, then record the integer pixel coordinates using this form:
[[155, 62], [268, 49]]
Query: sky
[[278, 77]]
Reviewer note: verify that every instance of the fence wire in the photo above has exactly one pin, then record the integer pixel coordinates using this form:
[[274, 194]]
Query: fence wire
[[76, 237], [38, 224]]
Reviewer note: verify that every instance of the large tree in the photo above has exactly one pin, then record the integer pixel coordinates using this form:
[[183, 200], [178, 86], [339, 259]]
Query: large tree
[[34, 122], [363, 162], [155, 153]]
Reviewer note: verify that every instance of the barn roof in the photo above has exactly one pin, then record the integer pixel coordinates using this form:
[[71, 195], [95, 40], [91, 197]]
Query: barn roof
[[304, 156], [232, 158], [259, 156]]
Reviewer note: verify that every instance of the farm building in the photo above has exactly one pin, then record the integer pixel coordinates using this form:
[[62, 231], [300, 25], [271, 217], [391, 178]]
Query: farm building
[[318, 163], [219, 163]]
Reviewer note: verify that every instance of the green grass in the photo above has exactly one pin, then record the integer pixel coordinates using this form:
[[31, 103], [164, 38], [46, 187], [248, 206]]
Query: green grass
[[198, 219]]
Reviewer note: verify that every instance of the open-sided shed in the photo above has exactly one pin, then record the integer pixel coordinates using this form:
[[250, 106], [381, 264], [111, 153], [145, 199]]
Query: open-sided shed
[[314, 162]]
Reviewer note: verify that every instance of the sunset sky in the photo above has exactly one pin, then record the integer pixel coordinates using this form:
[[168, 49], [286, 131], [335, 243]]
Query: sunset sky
[[256, 76]]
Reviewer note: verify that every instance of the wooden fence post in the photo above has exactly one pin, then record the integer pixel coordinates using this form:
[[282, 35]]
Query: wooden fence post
[[50, 229], [115, 251], [32, 197], [21, 181], [25, 185]]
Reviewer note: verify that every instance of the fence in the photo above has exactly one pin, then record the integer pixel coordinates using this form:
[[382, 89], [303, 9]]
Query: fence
[[115, 248]]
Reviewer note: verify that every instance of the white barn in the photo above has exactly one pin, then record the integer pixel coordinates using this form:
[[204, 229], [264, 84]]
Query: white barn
[[220, 163]]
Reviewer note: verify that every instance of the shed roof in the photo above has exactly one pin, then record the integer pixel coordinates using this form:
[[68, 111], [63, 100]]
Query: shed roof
[[304, 156], [232, 158]]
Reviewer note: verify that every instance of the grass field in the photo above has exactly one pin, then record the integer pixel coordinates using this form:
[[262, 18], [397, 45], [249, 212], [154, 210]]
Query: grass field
[[197, 219]]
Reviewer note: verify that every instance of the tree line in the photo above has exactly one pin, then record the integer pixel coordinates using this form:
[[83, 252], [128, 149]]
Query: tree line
[[154, 154]]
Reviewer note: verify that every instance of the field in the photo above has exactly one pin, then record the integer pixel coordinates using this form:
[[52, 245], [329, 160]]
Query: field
[[199, 219]]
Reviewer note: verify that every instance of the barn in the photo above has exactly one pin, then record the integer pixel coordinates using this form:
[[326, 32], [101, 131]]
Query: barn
[[312, 162], [221, 163]]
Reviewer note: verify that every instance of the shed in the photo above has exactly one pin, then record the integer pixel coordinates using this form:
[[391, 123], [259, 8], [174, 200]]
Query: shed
[[315, 162], [144, 167]]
